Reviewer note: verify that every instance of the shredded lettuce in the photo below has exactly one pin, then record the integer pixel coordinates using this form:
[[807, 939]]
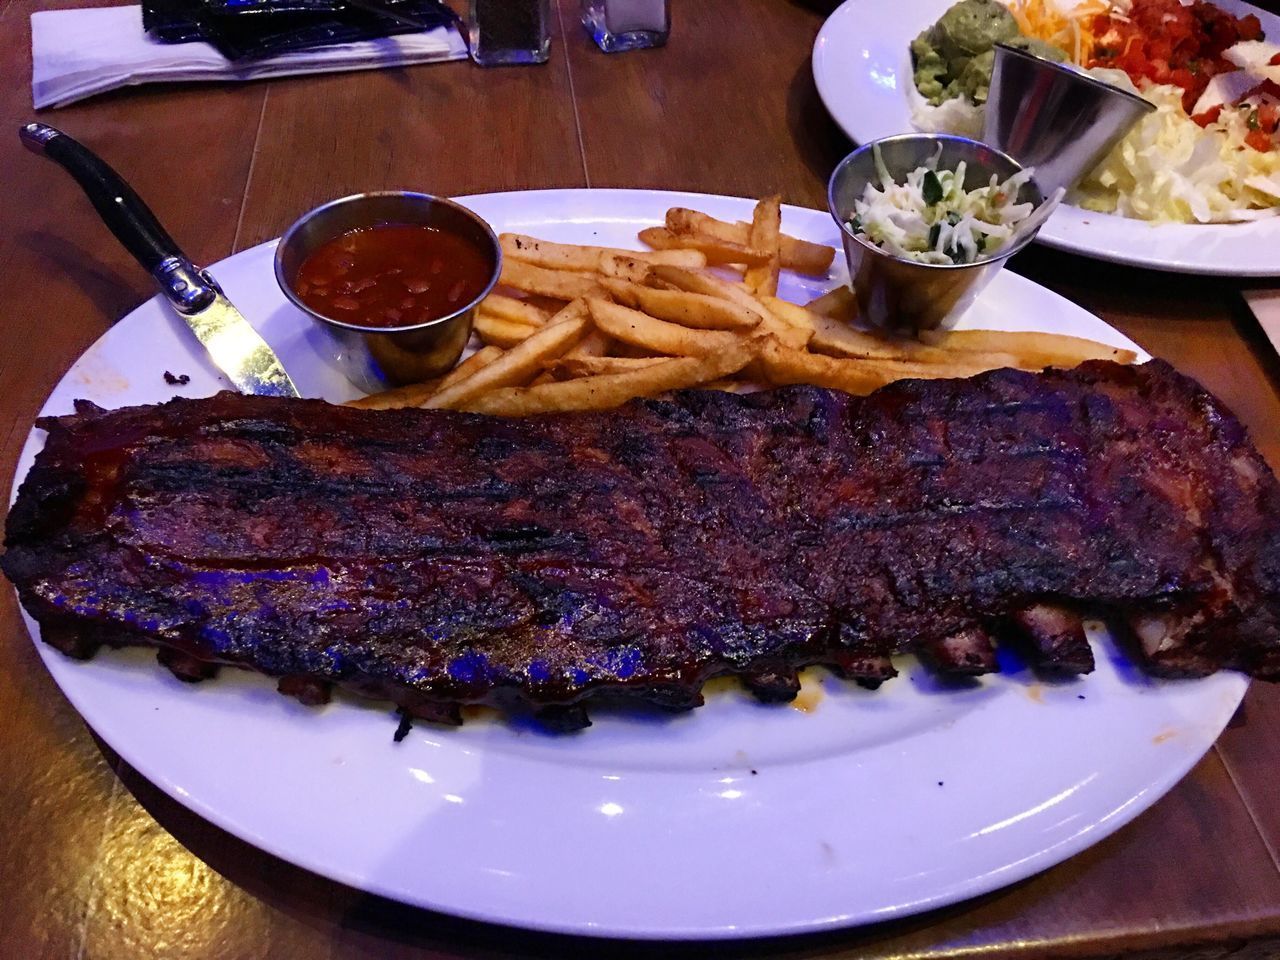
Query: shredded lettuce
[[959, 115], [1169, 169]]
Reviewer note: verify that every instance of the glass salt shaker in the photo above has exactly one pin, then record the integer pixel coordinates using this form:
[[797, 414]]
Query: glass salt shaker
[[510, 32], [620, 25]]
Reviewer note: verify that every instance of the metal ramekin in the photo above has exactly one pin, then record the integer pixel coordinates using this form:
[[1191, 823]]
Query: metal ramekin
[[1055, 118], [904, 295], [375, 358]]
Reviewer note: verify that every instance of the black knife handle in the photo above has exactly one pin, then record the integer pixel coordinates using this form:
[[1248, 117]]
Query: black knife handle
[[125, 215]]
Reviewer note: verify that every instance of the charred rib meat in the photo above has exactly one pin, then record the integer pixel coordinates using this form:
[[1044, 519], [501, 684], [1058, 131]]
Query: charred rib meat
[[437, 558]]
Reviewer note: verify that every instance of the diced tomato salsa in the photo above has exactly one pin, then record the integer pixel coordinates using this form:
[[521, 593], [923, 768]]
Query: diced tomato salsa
[[1263, 122], [1163, 42]]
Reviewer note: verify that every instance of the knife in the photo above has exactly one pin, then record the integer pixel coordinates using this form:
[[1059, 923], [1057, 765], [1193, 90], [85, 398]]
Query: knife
[[235, 347]]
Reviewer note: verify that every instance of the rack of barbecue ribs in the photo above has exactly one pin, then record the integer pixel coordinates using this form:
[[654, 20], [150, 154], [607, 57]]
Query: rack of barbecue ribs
[[437, 559]]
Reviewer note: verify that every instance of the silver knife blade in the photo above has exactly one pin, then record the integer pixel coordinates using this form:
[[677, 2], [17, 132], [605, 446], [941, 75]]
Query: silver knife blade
[[235, 347], [238, 350]]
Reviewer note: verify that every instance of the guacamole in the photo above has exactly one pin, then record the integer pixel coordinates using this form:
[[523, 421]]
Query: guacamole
[[954, 57]]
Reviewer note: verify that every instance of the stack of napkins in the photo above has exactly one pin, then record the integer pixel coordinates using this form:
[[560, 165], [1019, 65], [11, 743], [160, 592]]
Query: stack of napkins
[[77, 53]]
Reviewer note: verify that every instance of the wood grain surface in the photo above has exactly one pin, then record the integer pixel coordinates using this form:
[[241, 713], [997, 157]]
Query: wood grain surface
[[98, 863]]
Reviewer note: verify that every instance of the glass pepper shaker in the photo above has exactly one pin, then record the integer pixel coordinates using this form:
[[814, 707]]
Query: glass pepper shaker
[[620, 25], [510, 32]]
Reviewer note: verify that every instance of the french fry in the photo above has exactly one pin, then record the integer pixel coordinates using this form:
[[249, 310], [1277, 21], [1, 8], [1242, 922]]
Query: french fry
[[573, 310], [765, 234], [609, 390], [679, 306], [683, 221], [791, 328], [518, 365], [594, 344], [700, 281], [560, 284], [509, 308], [1034, 350], [410, 395], [691, 259], [569, 367], [659, 336], [716, 250], [577, 310], [838, 304], [586, 259], [783, 365], [790, 313], [626, 268], [790, 335], [497, 332], [415, 394], [506, 333], [803, 256], [837, 339], [477, 361]]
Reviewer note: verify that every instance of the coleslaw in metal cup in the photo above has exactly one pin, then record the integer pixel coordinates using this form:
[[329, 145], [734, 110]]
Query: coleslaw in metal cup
[[899, 293]]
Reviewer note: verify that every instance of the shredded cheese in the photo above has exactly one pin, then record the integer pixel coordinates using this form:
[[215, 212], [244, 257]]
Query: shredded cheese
[[1067, 29], [1168, 169]]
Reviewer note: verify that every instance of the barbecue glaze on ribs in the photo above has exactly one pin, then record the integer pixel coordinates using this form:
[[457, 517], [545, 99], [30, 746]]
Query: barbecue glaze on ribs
[[437, 559]]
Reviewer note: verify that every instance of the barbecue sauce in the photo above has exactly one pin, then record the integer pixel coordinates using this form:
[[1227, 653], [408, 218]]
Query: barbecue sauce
[[392, 275]]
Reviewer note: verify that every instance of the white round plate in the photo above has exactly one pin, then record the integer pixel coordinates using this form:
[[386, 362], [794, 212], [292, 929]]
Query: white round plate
[[860, 65], [734, 820]]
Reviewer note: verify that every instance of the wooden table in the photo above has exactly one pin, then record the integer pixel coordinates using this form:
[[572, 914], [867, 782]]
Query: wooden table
[[97, 863]]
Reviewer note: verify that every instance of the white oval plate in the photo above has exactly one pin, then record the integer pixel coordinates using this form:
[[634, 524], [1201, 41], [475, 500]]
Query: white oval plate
[[860, 64], [734, 820]]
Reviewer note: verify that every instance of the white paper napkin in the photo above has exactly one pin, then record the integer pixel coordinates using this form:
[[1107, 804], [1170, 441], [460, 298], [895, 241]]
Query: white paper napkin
[[1265, 305], [77, 53]]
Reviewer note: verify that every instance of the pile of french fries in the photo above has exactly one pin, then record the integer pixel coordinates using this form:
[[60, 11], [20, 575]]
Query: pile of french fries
[[588, 328]]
